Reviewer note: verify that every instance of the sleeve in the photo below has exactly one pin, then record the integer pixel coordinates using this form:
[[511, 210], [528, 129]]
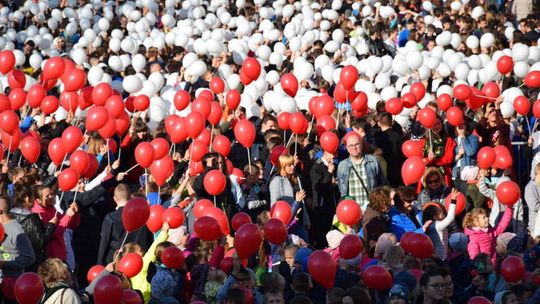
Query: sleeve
[[104, 241], [26, 123], [473, 247], [96, 181], [485, 189], [505, 221], [448, 157], [381, 179], [275, 191], [441, 225], [150, 254], [396, 227], [470, 145], [26, 254], [533, 202]]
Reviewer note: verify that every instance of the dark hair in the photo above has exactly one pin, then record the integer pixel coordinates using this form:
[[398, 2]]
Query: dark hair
[[404, 194], [430, 212], [385, 119], [358, 294], [235, 295], [301, 299], [300, 282], [424, 279]]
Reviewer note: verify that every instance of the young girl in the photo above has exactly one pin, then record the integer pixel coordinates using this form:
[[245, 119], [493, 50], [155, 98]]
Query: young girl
[[438, 229], [482, 238]]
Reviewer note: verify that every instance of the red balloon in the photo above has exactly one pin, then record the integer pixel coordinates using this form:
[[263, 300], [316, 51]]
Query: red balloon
[[215, 113], [522, 105], [251, 68], [418, 89], [92, 166], [348, 76], [172, 257], [181, 100], [491, 89], [9, 121], [393, 106], [29, 288], [444, 101], [16, 79], [360, 102], [412, 148], [5, 103], [35, 95], [141, 103], [322, 268], [485, 157], [144, 154], [341, 95], [325, 123], [17, 98], [69, 101], [244, 79], [240, 219], [461, 202], [244, 132], [101, 93], [7, 61], [350, 246], [202, 106], [200, 205], [96, 118], [49, 84], [232, 99], [195, 168], [214, 182], [462, 92], [54, 68], [476, 100], [508, 193], [207, 228], [536, 109], [75, 80], [155, 219], [348, 212], [289, 84], [174, 216], [122, 124], [412, 170], [420, 246], [298, 123], [11, 141], [161, 147], [329, 142], [135, 214], [176, 128], [404, 241], [247, 240], [71, 139], [93, 272], [162, 169], [115, 105], [478, 300], [409, 100], [68, 179], [217, 85], [197, 150], [56, 151], [79, 160], [206, 94], [532, 80], [377, 277], [505, 64], [427, 117], [108, 290], [275, 231], [194, 124], [222, 145], [417, 273], [2, 232], [454, 115], [49, 104], [204, 137], [283, 120], [282, 211], [512, 269], [130, 264], [226, 265], [503, 158], [131, 297], [324, 105]]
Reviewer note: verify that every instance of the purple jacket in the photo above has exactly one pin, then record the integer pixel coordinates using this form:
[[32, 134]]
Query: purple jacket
[[485, 240]]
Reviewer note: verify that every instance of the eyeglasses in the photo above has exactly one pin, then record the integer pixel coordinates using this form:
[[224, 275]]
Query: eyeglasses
[[354, 145], [438, 286], [433, 181]]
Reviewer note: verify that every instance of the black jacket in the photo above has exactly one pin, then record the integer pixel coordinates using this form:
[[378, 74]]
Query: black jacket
[[322, 190], [38, 233]]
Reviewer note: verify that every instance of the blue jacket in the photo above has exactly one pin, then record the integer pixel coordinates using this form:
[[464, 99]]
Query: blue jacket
[[470, 147], [401, 223], [373, 171]]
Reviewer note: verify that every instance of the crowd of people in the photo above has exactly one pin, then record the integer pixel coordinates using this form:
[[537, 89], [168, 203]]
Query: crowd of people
[[270, 151]]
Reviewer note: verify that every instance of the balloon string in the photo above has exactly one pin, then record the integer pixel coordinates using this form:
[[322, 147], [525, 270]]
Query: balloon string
[[486, 97], [108, 158], [528, 125], [211, 138], [215, 201], [311, 125], [295, 144], [289, 142], [339, 117], [159, 195], [146, 182], [131, 168], [120, 151], [117, 254], [249, 160], [19, 162], [61, 196], [430, 141], [284, 135], [75, 196], [9, 150], [62, 164]]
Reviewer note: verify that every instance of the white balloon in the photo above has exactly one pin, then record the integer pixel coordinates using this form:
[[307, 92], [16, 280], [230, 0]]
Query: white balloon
[[507, 109], [198, 68], [521, 69], [132, 84], [115, 63], [487, 40], [35, 61], [462, 71], [472, 42], [157, 79], [148, 89], [445, 89], [520, 52], [327, 72], [403, 121], [382, 81], [233, 81], [104, 24], [400, 67], [373, 99], [415, 60], [95, 74], [388, 92], [287, 104], [138, 62]]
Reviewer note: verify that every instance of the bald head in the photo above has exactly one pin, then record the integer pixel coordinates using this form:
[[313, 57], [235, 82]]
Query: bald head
[[353, 142]]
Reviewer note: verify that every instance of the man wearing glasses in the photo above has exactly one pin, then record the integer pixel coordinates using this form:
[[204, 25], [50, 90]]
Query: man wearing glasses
[[433, 287], [359, 173]]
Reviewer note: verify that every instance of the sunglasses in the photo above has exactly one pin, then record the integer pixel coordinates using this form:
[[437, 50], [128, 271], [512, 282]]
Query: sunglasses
[[433, 181]]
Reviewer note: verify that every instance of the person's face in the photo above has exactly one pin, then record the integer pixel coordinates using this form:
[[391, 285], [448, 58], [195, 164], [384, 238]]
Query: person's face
[[396, 300], [289, 169], [449, 288], [479, 282], [481, 221], [437, 127], [354, 146], [511, 299], [274, 299], [270, 124], [433, 181], [407, 204], [46, 198], [289, 257], [329, 157], [142, 134], [434, 289], [537, 176], [461, 129], [430, 45], [492, 116]]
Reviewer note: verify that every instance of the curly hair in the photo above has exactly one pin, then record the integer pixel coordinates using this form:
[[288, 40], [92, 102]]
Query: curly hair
[[379, 199], [52, 271], [468, 220]]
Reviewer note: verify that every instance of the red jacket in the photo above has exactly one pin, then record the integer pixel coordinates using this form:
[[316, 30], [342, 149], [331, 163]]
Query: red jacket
[[56, 247]]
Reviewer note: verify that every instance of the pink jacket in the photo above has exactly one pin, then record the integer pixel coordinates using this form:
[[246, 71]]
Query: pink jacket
[[56, 247], [485, 240]]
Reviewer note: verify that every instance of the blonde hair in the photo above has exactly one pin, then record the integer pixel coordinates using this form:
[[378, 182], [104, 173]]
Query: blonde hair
[[52, 271], [94, 144], [394, 256], [429, 172], [470, 217], [284, 161]]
